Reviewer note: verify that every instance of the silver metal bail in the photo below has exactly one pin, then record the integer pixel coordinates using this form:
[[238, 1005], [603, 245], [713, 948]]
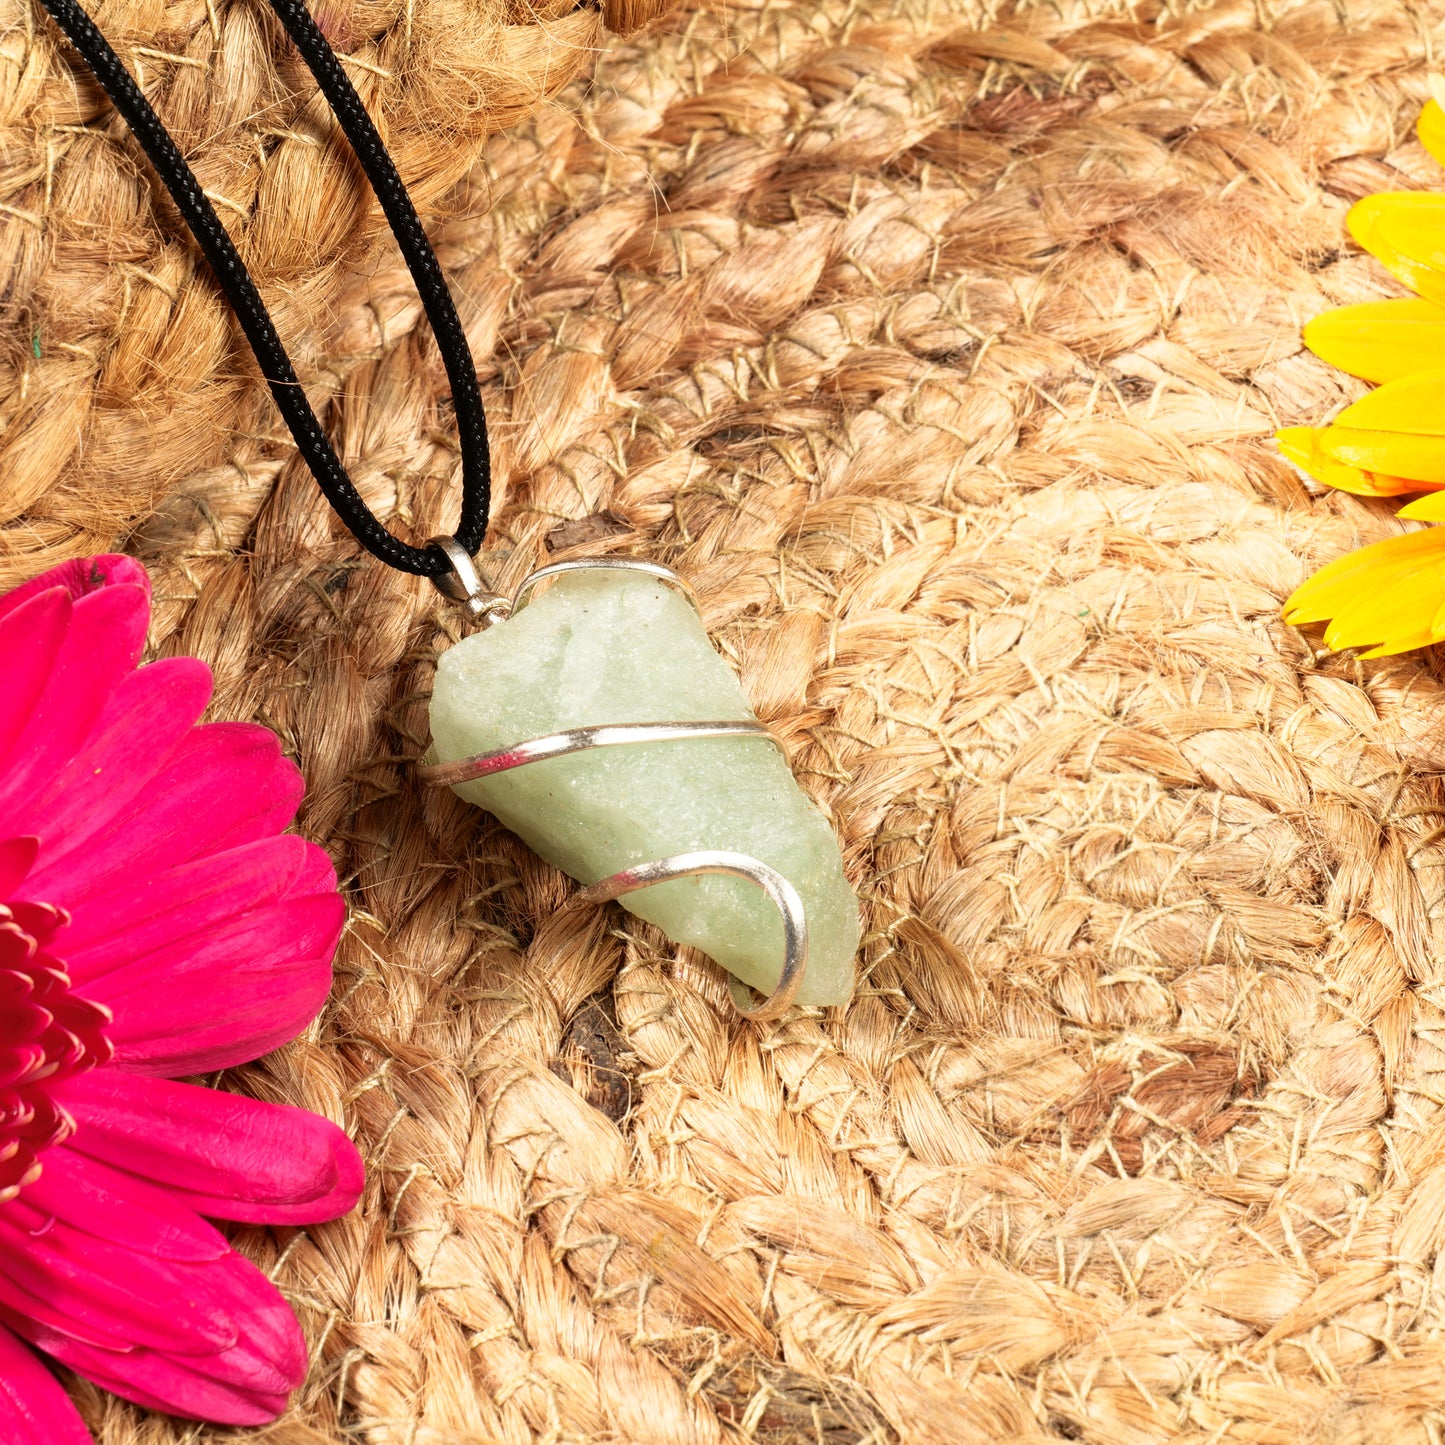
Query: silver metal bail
[[464, 584]]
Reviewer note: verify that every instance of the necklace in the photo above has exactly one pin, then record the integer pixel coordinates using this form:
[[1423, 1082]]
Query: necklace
[[691, 817]]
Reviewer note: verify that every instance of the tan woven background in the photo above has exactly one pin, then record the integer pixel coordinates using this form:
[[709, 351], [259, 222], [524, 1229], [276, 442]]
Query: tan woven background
[[939, 344]]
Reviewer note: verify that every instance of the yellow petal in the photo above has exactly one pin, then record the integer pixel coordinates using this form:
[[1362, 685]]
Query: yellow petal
[[1384, 597], [1402, 640], [1381, 340], [1404, 635], [1429, 508], [1338, 582], [1418, 461], [1406, 231], [1301, 445], [1414, 405], [1431, 127]]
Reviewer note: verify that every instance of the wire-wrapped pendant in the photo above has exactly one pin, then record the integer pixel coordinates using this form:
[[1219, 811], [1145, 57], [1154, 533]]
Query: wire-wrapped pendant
[[598, 723]]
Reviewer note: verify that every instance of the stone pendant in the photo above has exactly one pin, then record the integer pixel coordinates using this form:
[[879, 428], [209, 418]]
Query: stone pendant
[[524, 712]]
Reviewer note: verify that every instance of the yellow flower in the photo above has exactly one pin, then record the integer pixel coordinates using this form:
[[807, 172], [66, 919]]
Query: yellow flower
[[1308, 447], [1388, 597], [1406, 231], [1381, 340], [1432, 120], [1398, 429]]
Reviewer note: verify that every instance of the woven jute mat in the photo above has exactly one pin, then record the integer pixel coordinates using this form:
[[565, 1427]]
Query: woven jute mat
[[939, 345]]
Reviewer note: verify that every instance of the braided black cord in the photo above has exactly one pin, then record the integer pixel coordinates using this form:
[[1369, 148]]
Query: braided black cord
[[234, 279]]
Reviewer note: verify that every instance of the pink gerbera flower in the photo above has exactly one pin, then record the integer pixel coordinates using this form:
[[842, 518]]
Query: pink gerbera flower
[[154, 922]]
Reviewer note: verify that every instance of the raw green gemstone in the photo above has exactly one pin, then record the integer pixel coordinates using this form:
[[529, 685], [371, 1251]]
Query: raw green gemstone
[[621, 647]]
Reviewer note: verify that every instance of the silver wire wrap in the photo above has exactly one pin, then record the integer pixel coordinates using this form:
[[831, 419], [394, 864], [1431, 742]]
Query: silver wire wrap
[[734, 865], [581, 740], [665, 575], [464, 585]]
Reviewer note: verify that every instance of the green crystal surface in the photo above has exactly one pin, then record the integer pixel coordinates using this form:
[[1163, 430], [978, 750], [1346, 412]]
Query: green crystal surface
[[617, 647]]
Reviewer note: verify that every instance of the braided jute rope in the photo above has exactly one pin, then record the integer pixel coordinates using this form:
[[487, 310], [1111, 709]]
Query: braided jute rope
[[939, 347]]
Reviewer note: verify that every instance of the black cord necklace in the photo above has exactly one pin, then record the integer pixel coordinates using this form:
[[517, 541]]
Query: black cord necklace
[[634, 626], [436, 560]]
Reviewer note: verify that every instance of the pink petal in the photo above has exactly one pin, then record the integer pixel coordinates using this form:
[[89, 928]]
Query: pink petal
[[210, 1001], [16, 857], [244, 1382], [30, 640], [25, 1294], [99, 1294], [101, 645], [150, 714], [240, 1386], [80, 577], [220, 1154], [315, 873], [141, 915], [226, 784], [90, 1197], [34, 1410]]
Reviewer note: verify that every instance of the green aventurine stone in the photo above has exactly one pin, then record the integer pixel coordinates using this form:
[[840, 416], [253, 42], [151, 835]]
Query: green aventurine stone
[[618, 647]]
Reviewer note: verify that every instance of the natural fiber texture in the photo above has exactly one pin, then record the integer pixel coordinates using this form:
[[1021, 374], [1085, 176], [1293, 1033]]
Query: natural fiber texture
[[121, 370], [941, 350]]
